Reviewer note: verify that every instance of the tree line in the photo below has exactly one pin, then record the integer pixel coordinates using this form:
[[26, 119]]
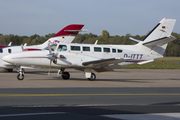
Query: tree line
[[173, 48]]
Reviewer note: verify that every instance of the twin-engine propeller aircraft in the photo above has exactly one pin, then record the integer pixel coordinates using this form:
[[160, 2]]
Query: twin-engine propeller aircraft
[[100, 58], [66, 35]]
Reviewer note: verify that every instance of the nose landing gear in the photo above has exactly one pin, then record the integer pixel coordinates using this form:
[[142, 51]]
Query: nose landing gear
[[64, 75], [20, 76]]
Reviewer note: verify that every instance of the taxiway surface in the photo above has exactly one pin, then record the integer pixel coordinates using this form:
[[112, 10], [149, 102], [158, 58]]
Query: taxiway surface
[[134, 91]]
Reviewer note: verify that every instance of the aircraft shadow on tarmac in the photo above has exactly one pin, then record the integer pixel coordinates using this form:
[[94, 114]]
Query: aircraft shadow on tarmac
[[168, 103]]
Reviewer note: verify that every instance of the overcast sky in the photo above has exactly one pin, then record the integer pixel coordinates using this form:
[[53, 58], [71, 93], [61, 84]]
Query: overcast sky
[[118, 17]]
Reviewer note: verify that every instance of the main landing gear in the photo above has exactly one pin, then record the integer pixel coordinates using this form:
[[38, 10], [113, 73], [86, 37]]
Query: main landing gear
[[92, 78], [88, 74]]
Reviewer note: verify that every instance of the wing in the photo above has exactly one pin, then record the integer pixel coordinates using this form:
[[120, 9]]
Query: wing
[[105, 64]]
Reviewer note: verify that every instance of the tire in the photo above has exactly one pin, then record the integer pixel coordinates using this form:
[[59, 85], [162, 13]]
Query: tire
[[20, 78], [65, 75], [93, 77]]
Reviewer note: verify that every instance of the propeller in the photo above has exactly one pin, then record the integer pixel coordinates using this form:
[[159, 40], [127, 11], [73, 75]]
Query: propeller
[[51, 56]]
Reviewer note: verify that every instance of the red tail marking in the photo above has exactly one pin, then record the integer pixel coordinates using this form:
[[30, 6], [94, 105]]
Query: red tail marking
[[69, 27]]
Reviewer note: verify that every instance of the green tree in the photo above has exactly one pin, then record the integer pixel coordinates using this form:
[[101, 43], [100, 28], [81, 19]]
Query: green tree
[[105, 34]]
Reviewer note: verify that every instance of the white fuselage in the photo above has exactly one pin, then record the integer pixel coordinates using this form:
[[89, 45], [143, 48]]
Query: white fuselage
[[75, 54], [14, 49]]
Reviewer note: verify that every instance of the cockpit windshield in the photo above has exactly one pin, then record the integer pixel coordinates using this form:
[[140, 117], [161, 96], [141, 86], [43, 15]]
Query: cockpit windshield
[[62, 48], [53, 47]]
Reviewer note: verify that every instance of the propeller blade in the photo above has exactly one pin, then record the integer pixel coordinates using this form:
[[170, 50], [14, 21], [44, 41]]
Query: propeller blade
[[22, 47], [49, 47], [49, 68]]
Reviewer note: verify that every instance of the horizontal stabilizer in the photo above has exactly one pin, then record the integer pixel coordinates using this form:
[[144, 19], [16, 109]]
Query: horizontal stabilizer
[[134, 40], [159, 42], [144, 62]]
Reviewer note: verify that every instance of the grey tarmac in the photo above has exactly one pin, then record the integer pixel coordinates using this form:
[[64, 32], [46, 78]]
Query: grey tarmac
[[112, 94], [118, 78]]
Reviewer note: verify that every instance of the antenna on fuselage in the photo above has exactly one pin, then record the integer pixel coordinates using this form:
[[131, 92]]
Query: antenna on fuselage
[[10, 44], [25, 44], [96, 42]]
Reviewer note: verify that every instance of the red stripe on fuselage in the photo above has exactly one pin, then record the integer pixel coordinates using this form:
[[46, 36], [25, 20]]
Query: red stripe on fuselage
[[2, 46], [31, 49]]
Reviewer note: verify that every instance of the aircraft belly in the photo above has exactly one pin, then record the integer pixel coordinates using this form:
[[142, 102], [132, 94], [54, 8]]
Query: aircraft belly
[[6, 65]]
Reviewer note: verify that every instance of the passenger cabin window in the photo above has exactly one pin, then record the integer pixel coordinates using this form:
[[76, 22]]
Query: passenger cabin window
[[119, 51], [86, 48], [97, 49], [9, 50], [114, 50], [1, 50], [62, 48], [106, 49], [75, 48]]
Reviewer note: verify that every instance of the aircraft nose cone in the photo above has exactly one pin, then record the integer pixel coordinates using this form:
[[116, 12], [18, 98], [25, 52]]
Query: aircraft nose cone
[[6, 58]]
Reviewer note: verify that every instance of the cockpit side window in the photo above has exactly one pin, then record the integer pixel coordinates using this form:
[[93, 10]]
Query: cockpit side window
[[9, 50], [62, 48], [1, 50]]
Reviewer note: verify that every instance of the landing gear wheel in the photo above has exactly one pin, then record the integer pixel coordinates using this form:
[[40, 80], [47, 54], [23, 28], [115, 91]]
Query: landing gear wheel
[[93, 77], [65, 75], [20, 76]]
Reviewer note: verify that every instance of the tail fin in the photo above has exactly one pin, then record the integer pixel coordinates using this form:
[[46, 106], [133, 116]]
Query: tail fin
[[158, 37], [162, 31], [65, 35]]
